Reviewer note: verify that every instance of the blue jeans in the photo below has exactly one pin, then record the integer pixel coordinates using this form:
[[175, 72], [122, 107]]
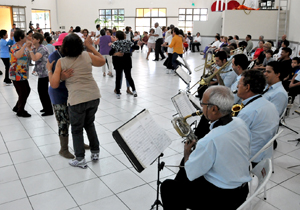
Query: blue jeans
[[206, 48], [83, 116], [175, 63]]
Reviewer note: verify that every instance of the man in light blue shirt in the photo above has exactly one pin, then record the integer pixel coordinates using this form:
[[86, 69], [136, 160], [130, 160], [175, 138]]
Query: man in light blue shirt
[[239, 64], [229, 77], [258, 113], [275, 91], [219, 165]]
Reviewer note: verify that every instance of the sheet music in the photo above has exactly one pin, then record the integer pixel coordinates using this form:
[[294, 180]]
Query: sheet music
[[195, 101], [184, 106], [145, 138], [183, 75]]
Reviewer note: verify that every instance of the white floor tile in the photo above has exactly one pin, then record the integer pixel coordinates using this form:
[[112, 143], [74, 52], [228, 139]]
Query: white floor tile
[[73, 175], [24, 203], [58, 199], [132, 198], [112, 148], [88, 191], [20, 144], [283, 198], [50, 149], [11, 191], [8, 174], [46, 139], [280, 175], [5, 160], [58, 162], [3, 148], [292, 184], [41, 183], [33, 168], [11, 136], [106, 166], [26, 155], [126, 180], [110, 203]]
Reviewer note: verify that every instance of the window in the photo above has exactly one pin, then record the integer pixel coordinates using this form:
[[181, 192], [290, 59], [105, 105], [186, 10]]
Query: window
[[111, 18], [187, 16], [146, 18], [19, 17], [42, 17]]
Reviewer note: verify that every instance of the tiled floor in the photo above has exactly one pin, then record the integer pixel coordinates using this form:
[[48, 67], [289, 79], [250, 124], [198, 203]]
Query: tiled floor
[[34, 176]]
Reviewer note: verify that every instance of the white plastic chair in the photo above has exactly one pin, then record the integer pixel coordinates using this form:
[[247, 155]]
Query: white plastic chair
[[263, 172], [266, 147]]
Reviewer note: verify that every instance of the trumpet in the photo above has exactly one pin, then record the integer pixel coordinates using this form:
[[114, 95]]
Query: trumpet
[[183, 128]]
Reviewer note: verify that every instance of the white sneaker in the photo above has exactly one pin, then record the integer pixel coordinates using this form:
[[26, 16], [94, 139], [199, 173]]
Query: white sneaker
[[134, 93], [77, 163], [95, 156], [118, 96]]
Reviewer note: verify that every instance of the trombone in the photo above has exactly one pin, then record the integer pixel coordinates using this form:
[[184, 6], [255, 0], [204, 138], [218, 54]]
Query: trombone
[[205, 81]]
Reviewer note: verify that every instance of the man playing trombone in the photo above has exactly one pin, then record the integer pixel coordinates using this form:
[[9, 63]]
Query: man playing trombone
[[218, 166]]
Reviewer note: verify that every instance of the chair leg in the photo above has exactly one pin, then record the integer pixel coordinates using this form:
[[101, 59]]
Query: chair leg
[[273, 162], [265, 193]]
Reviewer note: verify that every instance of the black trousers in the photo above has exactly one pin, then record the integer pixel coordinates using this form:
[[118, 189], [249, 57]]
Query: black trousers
[[293, 92], [7, 65], [23, 90], [43, 85], [158, 50], [197, 44], [127, 72], [199, 194]]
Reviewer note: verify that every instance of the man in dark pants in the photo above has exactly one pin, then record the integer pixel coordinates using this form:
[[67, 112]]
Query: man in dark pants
[[158, 43], [206, 174]]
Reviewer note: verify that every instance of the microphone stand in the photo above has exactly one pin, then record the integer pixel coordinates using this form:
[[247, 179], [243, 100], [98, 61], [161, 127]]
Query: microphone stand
[[160, 166]]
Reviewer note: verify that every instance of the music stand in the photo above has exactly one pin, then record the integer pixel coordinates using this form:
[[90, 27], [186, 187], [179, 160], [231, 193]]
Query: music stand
[[160, 166]]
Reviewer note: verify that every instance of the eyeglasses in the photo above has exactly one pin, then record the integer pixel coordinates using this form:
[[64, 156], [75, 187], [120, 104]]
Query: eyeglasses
[[207, 104]]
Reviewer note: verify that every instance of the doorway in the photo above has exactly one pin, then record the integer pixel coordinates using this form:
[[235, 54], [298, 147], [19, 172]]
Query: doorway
[[6, 18]]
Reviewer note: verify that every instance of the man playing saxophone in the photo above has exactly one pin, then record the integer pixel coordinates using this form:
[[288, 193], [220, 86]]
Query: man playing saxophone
[[218, 166]]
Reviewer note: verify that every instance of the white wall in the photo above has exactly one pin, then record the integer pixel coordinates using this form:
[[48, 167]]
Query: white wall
[[294, 29], [256, 23], [209, 27], [84, 13], [37, 4]]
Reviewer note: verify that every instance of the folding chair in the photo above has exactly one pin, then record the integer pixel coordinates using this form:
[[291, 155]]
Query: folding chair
[[266, 147], [263, 172]]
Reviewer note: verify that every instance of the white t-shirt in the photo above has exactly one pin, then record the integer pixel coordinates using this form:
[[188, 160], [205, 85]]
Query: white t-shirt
[[97, 33], [216, 44], [159, 32], [169, 40], [137, 38], [151, 39], [198, 39]]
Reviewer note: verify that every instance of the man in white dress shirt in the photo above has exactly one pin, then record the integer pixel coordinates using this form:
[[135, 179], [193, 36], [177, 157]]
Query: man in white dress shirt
[[159, 41], [196, 42], [217, 169]]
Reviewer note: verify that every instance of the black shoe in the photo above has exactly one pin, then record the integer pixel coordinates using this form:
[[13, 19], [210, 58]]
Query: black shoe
[[24, 114], [155, 60], [1, 73], [47, 114], [42, 110], [275, 145], [15, 109]]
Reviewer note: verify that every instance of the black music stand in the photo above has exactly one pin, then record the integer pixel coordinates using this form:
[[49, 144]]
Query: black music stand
[[160, 166]]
